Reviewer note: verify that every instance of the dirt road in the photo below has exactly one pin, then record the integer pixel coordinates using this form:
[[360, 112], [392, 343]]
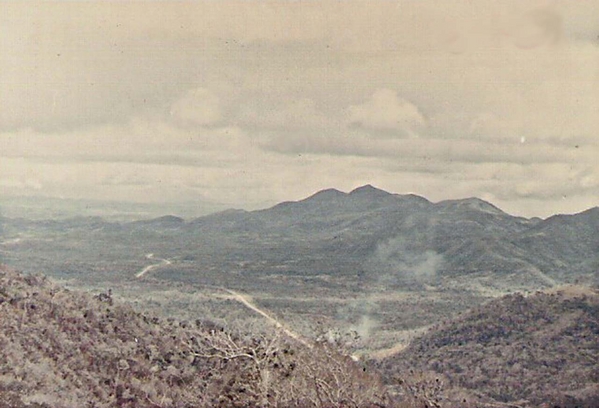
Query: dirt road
[[163, 262], [248, 303]]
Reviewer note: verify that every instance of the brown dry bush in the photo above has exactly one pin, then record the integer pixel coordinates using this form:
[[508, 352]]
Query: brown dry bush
[[515, 351], [62, 348]]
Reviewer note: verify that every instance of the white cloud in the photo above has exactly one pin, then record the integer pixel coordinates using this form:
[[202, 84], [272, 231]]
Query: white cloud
[[386, 111], [534, 28], [298, 114], [251, 104], [197, 107]]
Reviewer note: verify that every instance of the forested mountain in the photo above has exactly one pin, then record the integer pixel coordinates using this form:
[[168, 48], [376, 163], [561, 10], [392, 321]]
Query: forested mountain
[[525, 351], [344, 233], [382, 266]]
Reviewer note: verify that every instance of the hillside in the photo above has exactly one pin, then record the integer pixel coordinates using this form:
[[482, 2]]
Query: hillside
[[381, 264], [525, 351], [61, 348], [363, 237]]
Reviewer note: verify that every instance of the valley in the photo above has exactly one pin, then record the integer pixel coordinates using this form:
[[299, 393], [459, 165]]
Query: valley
[[367, 264], [394, 281]]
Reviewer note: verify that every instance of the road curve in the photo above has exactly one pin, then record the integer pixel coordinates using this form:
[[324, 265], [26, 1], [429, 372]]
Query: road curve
[[163, 262]]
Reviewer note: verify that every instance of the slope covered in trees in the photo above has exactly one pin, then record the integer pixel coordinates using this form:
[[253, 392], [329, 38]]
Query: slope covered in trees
[[521, 350], [61, 348], [358, 238]]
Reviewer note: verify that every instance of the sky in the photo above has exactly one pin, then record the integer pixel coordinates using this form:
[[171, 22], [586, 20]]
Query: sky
[[248, 103]]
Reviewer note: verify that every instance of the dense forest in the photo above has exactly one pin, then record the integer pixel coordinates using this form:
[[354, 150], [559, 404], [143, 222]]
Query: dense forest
[[62, 348], [520, 350], [68, 348]]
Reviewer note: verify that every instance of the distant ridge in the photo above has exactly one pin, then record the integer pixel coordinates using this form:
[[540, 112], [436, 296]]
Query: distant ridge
[[164, 221], [371, 233], [340, 232], [370, 192]]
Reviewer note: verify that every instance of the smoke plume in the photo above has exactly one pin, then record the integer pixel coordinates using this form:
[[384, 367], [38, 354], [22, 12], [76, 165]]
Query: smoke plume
[[395, 263]]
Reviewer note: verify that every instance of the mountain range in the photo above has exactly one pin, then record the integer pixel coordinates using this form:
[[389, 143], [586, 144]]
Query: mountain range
[[373, 232], [370, 236], [384, 266]]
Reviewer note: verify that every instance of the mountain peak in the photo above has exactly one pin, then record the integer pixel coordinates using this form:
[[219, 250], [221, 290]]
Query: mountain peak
[[170, 219], [326, 194], [473, 203], [369, 190]]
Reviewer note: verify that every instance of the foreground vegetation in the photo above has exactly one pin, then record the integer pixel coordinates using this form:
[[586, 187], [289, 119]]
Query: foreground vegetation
[[63, 348], [522, 351]]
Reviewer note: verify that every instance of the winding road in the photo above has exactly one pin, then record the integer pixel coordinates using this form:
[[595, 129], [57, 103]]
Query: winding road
[[235, 296], [163, 262]]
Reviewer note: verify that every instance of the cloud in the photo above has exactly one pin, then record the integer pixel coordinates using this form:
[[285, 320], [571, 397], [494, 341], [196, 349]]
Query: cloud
[[387, 112], [254, 105], [431, 151], [197, 107], [21, 184], [143, 140], [534, 28], [551, 97], [290, 115], [550, 181]]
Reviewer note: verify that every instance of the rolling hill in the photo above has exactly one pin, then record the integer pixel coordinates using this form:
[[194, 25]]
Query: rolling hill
[[341, 233], [523, 351], [62, 348], [367, 252]]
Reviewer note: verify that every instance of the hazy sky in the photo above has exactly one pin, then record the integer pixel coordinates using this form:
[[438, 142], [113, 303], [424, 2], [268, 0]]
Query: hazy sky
[[250, 103]]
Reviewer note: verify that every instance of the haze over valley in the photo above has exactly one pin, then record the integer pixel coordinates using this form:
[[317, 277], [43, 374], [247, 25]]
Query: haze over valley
[[368, 269], [350, 261]]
